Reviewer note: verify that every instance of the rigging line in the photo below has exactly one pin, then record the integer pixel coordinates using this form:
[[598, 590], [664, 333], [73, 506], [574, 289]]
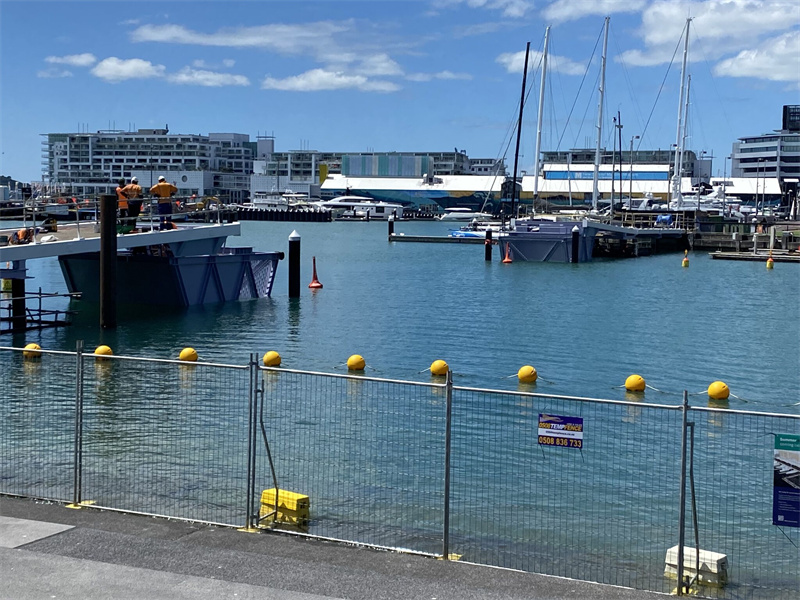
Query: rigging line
[[580, 87], [661, 87], [627, 78], [586, 110]]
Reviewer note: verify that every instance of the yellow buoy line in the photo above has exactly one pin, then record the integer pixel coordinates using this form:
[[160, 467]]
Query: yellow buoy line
[[527, 374]]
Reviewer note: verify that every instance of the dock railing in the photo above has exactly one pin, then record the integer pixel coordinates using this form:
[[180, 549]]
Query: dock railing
[[427, 467]]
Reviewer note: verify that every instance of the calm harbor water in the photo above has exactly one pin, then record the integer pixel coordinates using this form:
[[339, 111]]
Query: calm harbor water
[[403, 305]]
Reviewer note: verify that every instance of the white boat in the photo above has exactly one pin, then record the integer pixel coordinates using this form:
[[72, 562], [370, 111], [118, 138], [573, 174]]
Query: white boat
[[462, 213], [360, 208]]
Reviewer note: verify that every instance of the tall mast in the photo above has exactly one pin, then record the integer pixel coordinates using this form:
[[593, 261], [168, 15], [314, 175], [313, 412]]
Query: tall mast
[[685, 135], [676, 175], [600, 113], [519, 129], [539, 119]]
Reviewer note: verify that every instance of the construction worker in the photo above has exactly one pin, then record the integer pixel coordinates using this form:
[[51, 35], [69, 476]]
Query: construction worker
[[164, 191], [134, 192], [122, 206]]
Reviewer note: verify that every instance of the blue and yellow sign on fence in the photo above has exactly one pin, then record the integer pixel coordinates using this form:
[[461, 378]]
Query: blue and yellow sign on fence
[[558, 430]]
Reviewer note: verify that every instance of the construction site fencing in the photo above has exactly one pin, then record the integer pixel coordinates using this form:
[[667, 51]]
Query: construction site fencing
[[427, 467]]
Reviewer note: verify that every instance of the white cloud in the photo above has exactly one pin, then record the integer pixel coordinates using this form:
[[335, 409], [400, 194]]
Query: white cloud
[[317, 80], [53, 73], [444, 75], [480, 29], [777, 59], [719, 27], [225, 63], [189, 76], [74, 60], [515, 61], [378, 64], [569, 10], [314, 38], [509, 8], [115, 69]]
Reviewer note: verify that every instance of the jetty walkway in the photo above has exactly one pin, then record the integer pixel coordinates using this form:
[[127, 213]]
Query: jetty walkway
[[50, 551]]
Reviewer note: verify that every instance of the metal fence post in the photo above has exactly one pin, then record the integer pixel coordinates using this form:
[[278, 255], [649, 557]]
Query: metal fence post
[[251, 439], [682, 496], [77, 458], [447, 430]]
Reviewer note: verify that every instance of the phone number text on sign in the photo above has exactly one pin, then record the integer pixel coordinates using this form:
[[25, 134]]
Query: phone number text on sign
[[559, 430]]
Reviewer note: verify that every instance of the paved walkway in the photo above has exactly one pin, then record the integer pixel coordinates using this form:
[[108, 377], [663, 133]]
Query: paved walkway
[[50, 551]]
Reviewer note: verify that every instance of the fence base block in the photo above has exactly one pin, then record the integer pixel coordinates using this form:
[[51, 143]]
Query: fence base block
[[82, 504], [713, 566]]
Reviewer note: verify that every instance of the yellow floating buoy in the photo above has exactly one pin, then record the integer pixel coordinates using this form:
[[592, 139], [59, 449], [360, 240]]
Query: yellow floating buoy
[[718, 391], [32, 351], [635, 383], [188, 355], [439, 368], [356, 363], [527, 374], [272, 359], [102, 351], [770, 262], [685, 261]]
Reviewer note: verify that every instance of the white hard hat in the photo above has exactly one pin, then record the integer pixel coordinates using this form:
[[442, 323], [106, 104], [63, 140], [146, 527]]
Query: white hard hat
[[134, 180], [162, 178]]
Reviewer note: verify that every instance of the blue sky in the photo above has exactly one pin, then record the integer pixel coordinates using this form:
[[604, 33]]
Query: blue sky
[[413, 75]]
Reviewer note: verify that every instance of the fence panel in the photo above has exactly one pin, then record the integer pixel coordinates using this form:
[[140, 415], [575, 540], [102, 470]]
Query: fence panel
[[166, 438], [733, 473], [606, 512], [37, 424], [369, 454]]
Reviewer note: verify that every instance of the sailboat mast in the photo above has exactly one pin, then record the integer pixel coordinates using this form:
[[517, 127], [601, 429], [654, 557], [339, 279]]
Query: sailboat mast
[[519, 130], [676, 175], [685, 134], [540, 116], [600, 113]]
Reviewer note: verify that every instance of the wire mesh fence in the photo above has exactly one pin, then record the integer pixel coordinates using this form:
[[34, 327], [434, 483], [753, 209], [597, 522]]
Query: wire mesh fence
[[368, 452], [605, 511], [427, 467], [37, 424], [166, 438]]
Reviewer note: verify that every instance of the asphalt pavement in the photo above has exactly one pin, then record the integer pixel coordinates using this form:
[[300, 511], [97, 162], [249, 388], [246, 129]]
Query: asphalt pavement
[[49, 551]]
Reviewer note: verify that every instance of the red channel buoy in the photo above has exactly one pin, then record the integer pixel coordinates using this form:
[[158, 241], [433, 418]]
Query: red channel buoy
[[315, 284]]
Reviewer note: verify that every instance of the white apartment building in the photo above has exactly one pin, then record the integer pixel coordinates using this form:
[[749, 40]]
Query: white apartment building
[[773, 155], [86, 164]]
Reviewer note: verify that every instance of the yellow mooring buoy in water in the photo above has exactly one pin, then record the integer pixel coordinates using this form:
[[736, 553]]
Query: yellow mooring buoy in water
[[439, 368], [635, 383], [685, 261], [271, 359], [770, 262], [718, 391], [356, 363], [527, 374], [188, 355], [102, 351], [32, 351]]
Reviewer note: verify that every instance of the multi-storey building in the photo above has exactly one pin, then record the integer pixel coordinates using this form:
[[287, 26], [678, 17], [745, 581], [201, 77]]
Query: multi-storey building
[[92, 163], [773, 155], [303, 171], [228, 165]]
